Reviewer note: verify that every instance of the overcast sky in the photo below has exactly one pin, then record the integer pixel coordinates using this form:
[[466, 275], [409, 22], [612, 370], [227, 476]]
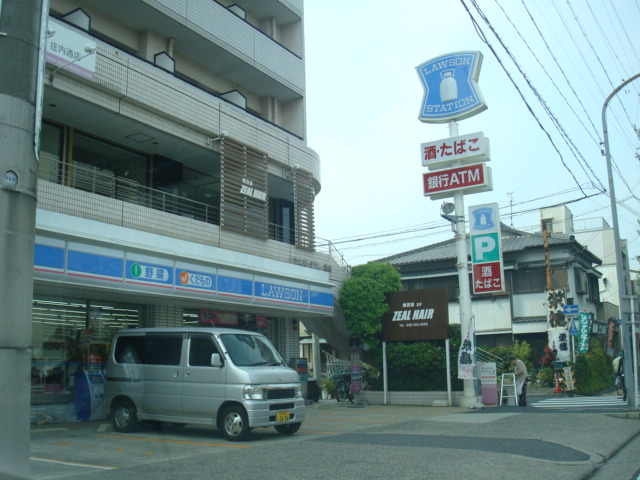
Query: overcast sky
[[364, 95]]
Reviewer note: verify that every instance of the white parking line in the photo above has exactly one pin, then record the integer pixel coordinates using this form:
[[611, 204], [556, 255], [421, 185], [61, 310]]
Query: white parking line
[[73, 464]]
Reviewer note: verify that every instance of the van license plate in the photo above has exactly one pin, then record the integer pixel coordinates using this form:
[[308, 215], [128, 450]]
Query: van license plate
[[283, 416]]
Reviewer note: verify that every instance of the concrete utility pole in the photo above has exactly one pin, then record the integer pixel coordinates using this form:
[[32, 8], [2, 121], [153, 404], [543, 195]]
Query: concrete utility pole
[[629, 354], [20, 90], [469, 397]]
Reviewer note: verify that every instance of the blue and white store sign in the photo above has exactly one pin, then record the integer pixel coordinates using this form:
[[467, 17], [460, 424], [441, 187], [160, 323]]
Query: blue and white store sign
[[132, 272], [451, 89]]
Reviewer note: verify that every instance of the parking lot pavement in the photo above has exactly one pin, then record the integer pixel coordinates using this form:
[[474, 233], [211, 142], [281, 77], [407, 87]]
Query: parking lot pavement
[[449, 442]]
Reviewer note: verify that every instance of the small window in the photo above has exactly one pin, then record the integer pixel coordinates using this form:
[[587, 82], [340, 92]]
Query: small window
[[201, 347], [163, 349], [129, 350]]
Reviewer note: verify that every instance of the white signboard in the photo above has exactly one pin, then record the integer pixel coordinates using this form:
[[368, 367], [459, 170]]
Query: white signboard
[[465, 149], [67, 45]]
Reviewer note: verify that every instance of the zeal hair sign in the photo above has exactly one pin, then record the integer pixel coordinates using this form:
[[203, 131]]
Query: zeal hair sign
[[416, 315]]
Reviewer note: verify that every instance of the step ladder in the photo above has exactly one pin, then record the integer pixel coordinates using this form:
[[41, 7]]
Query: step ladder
[[508, 385]]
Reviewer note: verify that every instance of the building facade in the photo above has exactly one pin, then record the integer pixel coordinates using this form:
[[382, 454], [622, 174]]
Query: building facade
[[175, 183], [597, 235], [540, 277]]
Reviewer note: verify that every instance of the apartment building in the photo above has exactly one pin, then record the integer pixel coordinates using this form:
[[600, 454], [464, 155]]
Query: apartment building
[[175, 183]]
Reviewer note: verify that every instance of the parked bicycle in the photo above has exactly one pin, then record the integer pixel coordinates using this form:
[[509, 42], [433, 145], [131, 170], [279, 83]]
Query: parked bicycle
[[619, 385], [344, 391]]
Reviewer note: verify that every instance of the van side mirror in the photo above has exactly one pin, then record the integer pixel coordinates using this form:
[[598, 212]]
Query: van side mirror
[[216, 361]]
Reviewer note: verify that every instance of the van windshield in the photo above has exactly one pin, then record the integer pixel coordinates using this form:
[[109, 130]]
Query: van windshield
[[250, 350]]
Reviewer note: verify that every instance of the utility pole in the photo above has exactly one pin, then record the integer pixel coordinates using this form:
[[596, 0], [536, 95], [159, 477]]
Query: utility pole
[[625, 315], [21, 38]]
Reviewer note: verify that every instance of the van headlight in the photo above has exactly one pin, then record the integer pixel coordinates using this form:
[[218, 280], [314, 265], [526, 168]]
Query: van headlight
[[298, 390], [253, 392]]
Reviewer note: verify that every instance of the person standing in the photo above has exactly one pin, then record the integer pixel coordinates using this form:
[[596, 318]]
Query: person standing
[[520, 370], [616, 363]]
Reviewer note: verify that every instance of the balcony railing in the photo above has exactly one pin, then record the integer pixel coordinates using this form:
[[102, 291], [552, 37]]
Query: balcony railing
[[102, 182], [88, 178]]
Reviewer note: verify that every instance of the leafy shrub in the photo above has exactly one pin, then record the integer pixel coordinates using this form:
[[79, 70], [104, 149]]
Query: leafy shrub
[[592, 370]]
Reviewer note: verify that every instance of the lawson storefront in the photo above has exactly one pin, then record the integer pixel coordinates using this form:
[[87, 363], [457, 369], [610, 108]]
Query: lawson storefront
[[84, 292]]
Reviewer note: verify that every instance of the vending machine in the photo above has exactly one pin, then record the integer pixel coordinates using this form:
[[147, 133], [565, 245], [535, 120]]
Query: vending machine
[[88, 395]]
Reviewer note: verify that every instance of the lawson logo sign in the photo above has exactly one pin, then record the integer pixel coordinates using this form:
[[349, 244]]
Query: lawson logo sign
[[451, 89]]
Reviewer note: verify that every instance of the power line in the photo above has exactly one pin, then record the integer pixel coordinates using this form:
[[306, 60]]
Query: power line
[[483, 38]]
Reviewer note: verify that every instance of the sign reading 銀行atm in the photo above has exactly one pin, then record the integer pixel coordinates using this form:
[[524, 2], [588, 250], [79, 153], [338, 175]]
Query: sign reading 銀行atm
[[416, 315], [470, 178], [451, 87]]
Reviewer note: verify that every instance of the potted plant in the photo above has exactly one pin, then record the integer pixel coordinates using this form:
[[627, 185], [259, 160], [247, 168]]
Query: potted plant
[[328, 388]]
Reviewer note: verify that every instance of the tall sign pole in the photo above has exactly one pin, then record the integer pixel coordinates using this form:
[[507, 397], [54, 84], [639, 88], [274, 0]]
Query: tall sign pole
[[21, 53], [629, 355], [452, 94]]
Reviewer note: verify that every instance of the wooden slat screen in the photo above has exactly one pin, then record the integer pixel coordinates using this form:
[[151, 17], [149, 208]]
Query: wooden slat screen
[[243, 191], [304, 195]]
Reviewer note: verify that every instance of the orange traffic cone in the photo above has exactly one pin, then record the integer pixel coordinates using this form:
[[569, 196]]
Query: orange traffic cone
[[557, 389]]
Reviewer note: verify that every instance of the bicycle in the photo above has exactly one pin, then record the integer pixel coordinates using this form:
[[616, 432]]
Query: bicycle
[[618, 382], [344, 392]]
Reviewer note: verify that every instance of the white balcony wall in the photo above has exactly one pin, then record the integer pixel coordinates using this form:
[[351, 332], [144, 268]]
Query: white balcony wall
[[133, 88]]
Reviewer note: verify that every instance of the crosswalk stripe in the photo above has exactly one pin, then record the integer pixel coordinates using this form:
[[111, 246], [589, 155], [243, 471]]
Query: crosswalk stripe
[[579, 402]]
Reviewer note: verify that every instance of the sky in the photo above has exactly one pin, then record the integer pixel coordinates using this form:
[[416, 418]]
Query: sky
[[548, 66]]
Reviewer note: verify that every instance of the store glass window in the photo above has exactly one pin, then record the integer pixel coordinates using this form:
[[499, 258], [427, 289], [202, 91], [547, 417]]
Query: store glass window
[[51, 153], [70, 335]]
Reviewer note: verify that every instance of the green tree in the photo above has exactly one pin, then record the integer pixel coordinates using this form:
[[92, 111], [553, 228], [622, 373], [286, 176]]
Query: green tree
[[363, 299]]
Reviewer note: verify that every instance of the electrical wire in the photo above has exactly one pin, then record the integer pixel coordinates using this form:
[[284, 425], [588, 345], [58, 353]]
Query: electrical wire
[[484, 39]]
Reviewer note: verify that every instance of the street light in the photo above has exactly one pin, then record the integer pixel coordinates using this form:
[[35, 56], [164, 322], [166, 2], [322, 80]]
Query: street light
[[622, 284]]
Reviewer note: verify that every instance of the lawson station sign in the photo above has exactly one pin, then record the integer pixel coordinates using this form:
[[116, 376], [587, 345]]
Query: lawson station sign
[[451, 87]]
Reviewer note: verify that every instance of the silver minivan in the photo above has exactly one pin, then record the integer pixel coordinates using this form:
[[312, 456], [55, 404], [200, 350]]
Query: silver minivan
[[233, 379]]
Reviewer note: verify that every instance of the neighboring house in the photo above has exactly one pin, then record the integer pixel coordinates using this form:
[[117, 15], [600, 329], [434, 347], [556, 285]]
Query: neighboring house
[[521, 312], [597, 236], [175, 183]]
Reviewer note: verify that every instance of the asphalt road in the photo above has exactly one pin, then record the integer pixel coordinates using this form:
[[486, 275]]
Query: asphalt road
[[370, 442]]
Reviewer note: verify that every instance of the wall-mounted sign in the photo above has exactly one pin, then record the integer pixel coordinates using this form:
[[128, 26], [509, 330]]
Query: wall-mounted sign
[[249, 190], [486, 248], [465, 149], [64, 262], [584, 331], [449, 180], [67, 45], [451, 87], [416, 315]]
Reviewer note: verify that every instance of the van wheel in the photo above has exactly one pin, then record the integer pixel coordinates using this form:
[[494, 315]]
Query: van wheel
[[235, 424], [125, 417], [288, 429]]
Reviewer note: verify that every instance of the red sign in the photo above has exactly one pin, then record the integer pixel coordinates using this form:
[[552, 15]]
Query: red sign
[[218, 318], [487, 277], [454, 179]]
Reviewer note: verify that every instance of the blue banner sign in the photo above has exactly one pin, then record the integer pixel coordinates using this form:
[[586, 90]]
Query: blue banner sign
[[451, 89], [56, 260]]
